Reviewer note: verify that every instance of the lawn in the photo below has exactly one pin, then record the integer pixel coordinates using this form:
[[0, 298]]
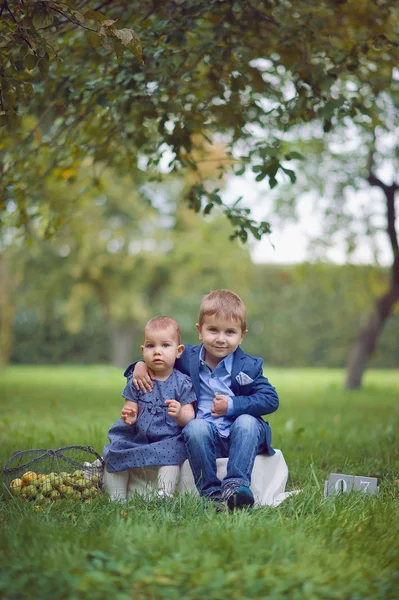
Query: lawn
[[308, 548]]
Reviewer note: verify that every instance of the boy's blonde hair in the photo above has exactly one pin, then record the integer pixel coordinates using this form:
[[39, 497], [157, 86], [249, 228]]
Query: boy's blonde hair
[[224, 303], [157, 323]]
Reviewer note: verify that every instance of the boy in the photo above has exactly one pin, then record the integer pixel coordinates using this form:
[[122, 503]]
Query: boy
[[232, 394]]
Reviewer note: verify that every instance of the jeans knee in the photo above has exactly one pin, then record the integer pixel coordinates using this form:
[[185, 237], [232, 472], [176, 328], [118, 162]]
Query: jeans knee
[[196, 429], [246, 423]]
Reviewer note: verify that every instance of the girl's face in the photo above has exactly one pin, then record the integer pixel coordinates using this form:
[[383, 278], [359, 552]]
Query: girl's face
[[160, 350]]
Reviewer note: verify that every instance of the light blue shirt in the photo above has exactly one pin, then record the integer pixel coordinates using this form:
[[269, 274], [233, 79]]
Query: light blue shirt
[[215, 382]]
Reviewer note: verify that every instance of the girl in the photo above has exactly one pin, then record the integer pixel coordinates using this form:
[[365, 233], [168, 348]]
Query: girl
[[149, 430]]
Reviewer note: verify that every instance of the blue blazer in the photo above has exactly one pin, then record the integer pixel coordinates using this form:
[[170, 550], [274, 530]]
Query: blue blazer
[[256, 398]]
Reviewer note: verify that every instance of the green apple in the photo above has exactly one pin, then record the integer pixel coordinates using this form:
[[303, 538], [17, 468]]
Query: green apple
[[46, 488], [53, 477], [31, 491]]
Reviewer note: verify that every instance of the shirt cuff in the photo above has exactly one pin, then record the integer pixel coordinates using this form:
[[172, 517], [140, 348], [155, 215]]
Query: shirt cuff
[[230, 407]]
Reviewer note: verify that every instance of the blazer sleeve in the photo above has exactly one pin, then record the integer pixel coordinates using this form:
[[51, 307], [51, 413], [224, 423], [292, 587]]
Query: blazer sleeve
[[257, 398], [182, 364]]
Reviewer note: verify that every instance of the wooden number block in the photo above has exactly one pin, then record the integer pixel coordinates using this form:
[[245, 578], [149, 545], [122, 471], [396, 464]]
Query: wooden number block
[[338, 483], [366, 484]]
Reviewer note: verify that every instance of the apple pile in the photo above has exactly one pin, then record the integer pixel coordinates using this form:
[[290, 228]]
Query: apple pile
[[45, 488]]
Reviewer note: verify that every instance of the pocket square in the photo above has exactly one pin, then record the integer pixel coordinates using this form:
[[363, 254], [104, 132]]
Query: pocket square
[[243, 379]]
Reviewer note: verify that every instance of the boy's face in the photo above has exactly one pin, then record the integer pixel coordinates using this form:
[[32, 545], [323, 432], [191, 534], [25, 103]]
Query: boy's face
[[220, 336], [161, 349]]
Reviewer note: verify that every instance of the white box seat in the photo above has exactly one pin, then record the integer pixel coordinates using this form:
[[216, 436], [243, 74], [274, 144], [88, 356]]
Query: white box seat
[[269, 478]]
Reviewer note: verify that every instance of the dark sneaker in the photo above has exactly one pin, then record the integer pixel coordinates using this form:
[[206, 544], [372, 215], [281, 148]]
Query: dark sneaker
[[217, 506], [215, 503], [239, 497]]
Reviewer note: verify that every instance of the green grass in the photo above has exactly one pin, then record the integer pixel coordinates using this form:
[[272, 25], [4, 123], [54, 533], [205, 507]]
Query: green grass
[[309, 547]]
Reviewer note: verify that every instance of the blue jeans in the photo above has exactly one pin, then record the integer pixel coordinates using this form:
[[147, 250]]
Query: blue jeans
[[204, 445]]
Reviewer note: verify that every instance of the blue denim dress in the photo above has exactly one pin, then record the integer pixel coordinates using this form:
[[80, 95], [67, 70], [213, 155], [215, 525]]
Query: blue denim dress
[[155, 439]]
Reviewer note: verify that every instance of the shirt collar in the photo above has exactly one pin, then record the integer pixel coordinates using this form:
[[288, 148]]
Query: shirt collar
[[227, 361]]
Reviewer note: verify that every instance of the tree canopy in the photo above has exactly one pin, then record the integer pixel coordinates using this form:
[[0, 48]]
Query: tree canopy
[[128, 84]]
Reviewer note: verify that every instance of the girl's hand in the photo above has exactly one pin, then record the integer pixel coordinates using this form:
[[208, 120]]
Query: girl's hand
[[174, 408], [220, 405], [129, 412], [142, 377]]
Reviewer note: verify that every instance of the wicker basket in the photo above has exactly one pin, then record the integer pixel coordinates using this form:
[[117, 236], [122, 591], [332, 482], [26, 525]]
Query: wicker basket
[[75, 471]]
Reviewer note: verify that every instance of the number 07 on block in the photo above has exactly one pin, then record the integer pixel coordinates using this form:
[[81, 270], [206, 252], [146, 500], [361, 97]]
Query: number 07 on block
[[338, 483]]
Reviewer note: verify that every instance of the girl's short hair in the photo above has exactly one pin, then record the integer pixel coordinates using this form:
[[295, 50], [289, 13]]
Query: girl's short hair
[[157, 323], [224, 303]]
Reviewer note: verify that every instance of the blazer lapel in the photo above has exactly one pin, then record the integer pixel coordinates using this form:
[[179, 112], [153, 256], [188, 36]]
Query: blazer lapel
[[194, 369], [238, 360]]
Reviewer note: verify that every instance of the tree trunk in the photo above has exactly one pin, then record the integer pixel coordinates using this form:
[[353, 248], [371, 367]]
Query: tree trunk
[[6, 314], [121, 345], [365, 343]]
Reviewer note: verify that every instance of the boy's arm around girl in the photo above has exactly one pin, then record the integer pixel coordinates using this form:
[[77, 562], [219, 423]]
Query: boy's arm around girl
[[253, 393]]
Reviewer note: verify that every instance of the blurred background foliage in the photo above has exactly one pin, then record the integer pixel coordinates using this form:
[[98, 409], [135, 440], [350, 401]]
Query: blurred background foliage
[[121, 84], [74, 304], [116, 117]]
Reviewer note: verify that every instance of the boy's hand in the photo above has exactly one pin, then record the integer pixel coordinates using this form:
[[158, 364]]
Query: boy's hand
[[174, 408], [129, 412], [142, 377], [220, 405]]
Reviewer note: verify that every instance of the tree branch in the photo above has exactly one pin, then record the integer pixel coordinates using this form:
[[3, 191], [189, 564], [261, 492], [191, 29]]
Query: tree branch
[[391, 229], [376, 182], [5, 5], [72, 20], [262, 15], [389, 192]]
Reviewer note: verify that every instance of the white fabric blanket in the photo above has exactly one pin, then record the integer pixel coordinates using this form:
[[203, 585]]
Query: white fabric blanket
[[269, 478]]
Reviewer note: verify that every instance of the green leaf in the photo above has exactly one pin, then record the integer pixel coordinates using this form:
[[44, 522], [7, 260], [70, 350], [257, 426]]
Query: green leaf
[[10, 99], [127, 37], [243, 235], [94, 39], [94, 15], [30, 61], [43, 65], [41, 18], [291, 174], [272, 182], [119, 50], [215, 198], [261, 176], [294, 155]]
